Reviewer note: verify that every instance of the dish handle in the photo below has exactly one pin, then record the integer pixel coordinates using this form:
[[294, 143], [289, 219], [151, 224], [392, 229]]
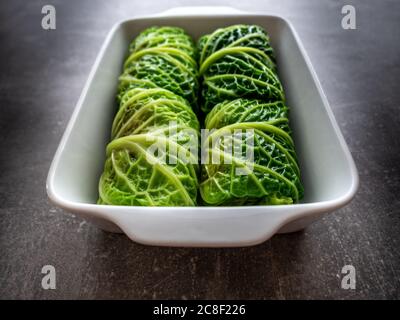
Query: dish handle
[[202, 227]]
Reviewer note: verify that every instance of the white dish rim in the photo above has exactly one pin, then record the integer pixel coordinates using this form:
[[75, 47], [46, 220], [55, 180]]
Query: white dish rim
[[106, 212]]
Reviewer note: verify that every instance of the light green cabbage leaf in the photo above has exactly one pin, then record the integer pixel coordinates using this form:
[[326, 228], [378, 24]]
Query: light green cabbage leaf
[[152, 159]]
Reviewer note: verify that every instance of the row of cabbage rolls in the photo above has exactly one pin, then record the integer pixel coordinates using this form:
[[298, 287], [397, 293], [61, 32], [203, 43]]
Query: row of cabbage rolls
[[247, 154]]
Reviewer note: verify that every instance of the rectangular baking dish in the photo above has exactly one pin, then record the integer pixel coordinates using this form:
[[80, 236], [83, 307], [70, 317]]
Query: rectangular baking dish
[[328, 172]]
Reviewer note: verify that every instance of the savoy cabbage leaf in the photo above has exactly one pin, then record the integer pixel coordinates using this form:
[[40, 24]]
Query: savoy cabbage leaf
[[236, 62], [272, 176], [163, 57], [242, 93], [152, 158]]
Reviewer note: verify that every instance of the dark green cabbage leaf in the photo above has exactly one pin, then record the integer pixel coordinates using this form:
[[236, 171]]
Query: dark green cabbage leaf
[[272, 176], [248, 156], [235, 62]]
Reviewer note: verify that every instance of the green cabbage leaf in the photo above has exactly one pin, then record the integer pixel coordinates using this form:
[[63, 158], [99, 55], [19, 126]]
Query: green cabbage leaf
[[152, 159], [230, 176], [249, 155], [236, 62], [163, 57]]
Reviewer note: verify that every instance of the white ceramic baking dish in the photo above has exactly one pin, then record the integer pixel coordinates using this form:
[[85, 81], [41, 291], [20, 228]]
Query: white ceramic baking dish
[[328, 171]]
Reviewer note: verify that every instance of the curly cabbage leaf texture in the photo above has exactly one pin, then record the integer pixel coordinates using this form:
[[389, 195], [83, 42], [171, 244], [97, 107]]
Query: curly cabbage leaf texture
[[242, 92], [152, 158]]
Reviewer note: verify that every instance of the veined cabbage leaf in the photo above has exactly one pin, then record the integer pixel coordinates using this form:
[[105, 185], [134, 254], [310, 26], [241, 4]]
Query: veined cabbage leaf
[[171, 37], [163, 57], [248, 156], [235, 62], [152, 158], [271, 176], [134, 176]]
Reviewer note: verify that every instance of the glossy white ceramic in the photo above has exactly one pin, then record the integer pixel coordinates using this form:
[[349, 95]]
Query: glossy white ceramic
[[328, 171]]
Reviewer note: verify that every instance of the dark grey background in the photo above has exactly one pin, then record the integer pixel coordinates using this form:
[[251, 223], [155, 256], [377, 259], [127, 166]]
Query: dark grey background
[[41, 76]]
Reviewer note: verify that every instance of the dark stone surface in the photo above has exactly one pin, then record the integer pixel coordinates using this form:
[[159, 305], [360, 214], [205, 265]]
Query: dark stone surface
[[42, 74]]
